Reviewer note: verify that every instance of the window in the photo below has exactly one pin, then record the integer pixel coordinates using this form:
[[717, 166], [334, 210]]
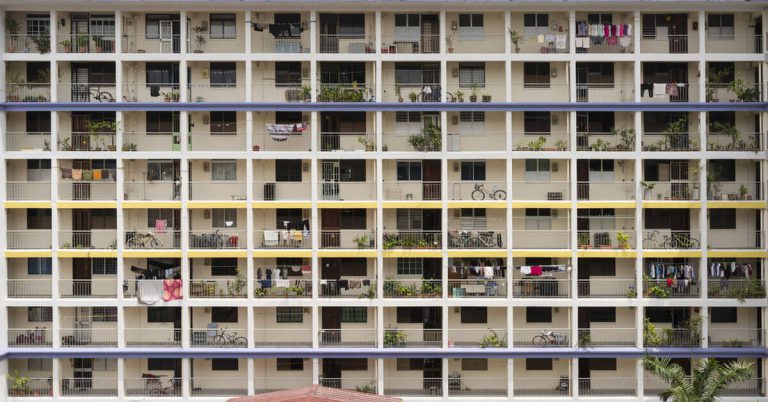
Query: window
[[720, 26], [38, 218], [722, 118], [471, 75], [223, 75], [294, 217], [721, 73], [659, 315], [353, 219], [288, 18], [407, 27], [538, 364], [224, 365], [599, 74], [354, 315], [104, 314], [473, 219], [160, 170], [223, 170], [162, 314], [535, 24], [167, 215], [152, 28], [723, 315], [601, 170], [538, 314], [292, 364], [352, 170], [353, 267], [223, 122], [224, 314], [410, 266], [536, 166], [410, 315], [356, 364], [471, 117], [536, 75], [163, 364], [471, 364], [223, 26], [162, 74], [223, 266], [99, 73], [474, 315], [602, 314], [598, 266], [38, 72], [409, 219], [101, 364], [39, 164], [409, 171], [104, 266], [471, 27], [723, 169], [39, 364], [595, 122], [404, 364], [39, 266], [537, 123], [284, 315], [473, 171], [39, 314], [38, 122], [599, 19], [287, 73], [162, 122], [288, 170], [103, 25], [352, 26], [538, 219], [417, 74], [602, 364], [38, 24], [722, 218]]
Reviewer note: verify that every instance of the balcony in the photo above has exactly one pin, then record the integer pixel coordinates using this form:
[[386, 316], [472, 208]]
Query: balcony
[[150, 385], [662, 289], [413, 338], [281, 239], [413, 387], [473, 42], [416, 239], [419, 43], [671, 337], [85, 43], [86, 93], [90, 239], [478, 191], [618, 140], [733, 43], [27, 141], [551, 42], [540, 92], [542, 288], [613, 92], [281, 191], [153, 337], [206, 92], [151, 142], [15, 43], [540, 190], [218, 387], [274, 92], [412, 92], [477, 239], [669, 44], [671, 240], [477, 338], [29, 337], [607, 288], [412, 190], [538, 338], [544, 141], [88, 337], [151, 190], [734, 141], [27, 92], [413, 288], [88, 288], [736, 337], [357, 288], [217, 190], [89, 387], [735, 91], [151, 92], [607, 337], [343, 43], [608, 387], [481, 288], [298, 288], [669, 92], [28, 190], [541, 239], [347, 191], [670, 191], [219, 337], [165, 44], [217, 141], [721, 288], [347, 141], [606, 190], [217, 239], [343, 92], [347, 338], [606, 239], [735, 191], [735, 239], [483, 92], [670, 142], [88, 190], [544, 387], [283, 338], [29, 239], [34, 387], [234, 288], [29, 288], [263, 42]]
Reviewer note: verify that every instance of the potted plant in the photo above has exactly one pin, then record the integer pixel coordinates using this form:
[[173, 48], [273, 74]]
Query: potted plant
[[537, 145], [12, 29], [627, 136], [81, 42], [43, 43], [458, 96], [367, 142], [306, 93], [129, 147], [647, 189], [516, 38], [622, 239], [394, 338], [449, 42], [66, 45], [561, 145], [398, 93], [726, 129], [743, 192], [19, 384], [413, 96], [475, 88], [199, 31], [493, 341], [361, 241], [715, 80], [486, 98]]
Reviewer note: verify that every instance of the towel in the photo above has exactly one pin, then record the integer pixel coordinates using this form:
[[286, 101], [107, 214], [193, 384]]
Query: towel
[[271, 237], [625, 41], [160, 225], [150, 291], [540, 38], [77, 174], [488, 272], [297, 235], [536, 270], [561, 41], [306, 268], [659, 90], [97, 174], [282, 283], [66, 173], [525, 270], [172, 289]]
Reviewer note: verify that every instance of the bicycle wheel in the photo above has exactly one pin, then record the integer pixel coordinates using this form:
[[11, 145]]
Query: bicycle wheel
[[670, 243], [649, 242], [540, 340], [154, 243], [105, 97], [135, 242], [693, 243], [499, 195], [240, 341], [478, 195]]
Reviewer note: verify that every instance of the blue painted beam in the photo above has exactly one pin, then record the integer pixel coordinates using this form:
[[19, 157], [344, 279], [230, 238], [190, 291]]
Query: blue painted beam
[[387, 106], [499, 353]]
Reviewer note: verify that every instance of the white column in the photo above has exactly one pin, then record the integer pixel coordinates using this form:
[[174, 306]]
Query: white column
[[186, 373], [56, 374], [442, 38], [251, 374], [120, 377], [572, 32], [313, 36], [183, 34]]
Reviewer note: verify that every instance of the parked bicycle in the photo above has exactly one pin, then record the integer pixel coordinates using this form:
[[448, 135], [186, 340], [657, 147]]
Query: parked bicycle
[[494, 193], [159, 385], [550, 338], [32, 337], [144, 240], [656, 240], [467, 239], [101, 96], [225, 337]]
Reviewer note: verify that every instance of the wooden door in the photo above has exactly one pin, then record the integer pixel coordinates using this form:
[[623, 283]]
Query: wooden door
[[678, 33], [81, 228], [81, 277], [430, 173], [330, 227], [331, 325], [582, 178]]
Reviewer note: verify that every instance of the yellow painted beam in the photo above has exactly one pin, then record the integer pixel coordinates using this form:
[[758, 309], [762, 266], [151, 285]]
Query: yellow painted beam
[[151, 204], [477, 204], [672, 204], [737, 204], [541, 204], [261, 253], [216, 204], [412, 204], [606, 204], [346, 253], [346, 204], [86, 204], [217, 253], [541, 253], [477, 253], [281, 204], [412, 253], [27, 253], [27, 204], [79, 253], [672, 253], [152, 254], [738, 254], [607, 253]]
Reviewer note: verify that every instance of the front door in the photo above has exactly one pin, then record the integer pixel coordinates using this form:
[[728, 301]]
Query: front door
[[330, 227], [81, 138], [678, 33], [330, 180], [83, 374], [80, 40], [433, 374], [432, 323], [81, 277], [430, 173], [329, 39], [331, 326], [81, 228], [430, 28], [582, 88], [582, 178], [80, 88]]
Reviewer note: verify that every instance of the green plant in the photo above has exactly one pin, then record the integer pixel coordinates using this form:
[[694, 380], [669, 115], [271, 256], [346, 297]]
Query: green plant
[[674, 132], [704, 383], [42, 42], [367, 142], [651, 336], [67, 45], [493, 341], [11, 26], [754, 289], [431, 289], [260, 292], [295, 290], [459, 95], [81, 41], [599, 145], [743, 92], [19, 384], [631, 293], [585, 339], [306, 93], [537, 145], [475, 90], [365, 388], [726, 129], [96, 128], [237, 287], [394, 338], [743, 191], [627, 136], [362, 241], [398, 93], [516, 38], [622, 239], [413, 96], [129, 147], [732, 343], [715, 79], [659, 291], [430, 139], [370, 293], [561, 145]]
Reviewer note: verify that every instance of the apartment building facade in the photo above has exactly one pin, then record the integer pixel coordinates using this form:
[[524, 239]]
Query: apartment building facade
[[463, 200]]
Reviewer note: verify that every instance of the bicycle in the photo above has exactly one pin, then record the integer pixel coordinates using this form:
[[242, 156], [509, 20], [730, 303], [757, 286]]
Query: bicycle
[[681, 241], [652, 240], [144, 240], [225, 338], [157, 385], [550, 338], [495, 193], [101, 96]]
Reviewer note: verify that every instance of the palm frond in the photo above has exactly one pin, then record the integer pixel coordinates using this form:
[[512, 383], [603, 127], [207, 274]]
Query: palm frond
[[728, 374]]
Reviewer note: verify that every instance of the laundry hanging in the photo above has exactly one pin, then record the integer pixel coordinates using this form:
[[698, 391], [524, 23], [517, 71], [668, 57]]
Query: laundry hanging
[[281, 132]]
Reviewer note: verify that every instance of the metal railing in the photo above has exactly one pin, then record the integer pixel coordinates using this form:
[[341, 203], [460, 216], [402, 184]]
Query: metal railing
[[88, 190], [219, 337], [603, 142], [88, 337], [86, 93], [217, 387], [625, 44], [413, 338], [475, 43], [606, 239], [478, 191], [29, 288], [286, 142], [413, 288], [412, 190], [671, 239], [28, 239], [733, 43], [348, 238], [664, 142], [343, 92], [542, 288], [347, 141], [281, 191], [30, 337], [27, 92], [151, 92], [410, 44], [88, 288], [155, 386], [217, 190], [477, 239], [218, 288], [263, 42], [27, 190], [152, 142], [606, 190], [152, 239], [213, 141], [413, 387], [541, 338], [670, 191], [751, 142], [27, 141], [144, 44], [85, 43], [282, 338], [412, 239], [28, 43], [347, 191], [217, 239], [539, 141], [204, 42], [608, 92], [477, 338], [34, 387], [674, 288], [606, 337], [94, 238], [735, 239], [549, 42], [347, 338], [748, 92], [151, 190], [297, 288], [341, 43], [541, 191], [736, 337], [603, 288], [673, 92], [615, 387], [541, 239], [543, 387], [299, 91], [482, 288], [365, 385], [672, 337], [89, 387], [350, 288], [749, 388], [735, 191], [669, 44], [413, 92], [161, 336], [264, 385], [722, 288]]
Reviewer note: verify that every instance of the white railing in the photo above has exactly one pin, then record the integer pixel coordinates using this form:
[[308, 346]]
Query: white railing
[[263, 42], [151, 190], [669, 92], [663, 142], [542, 288], [343, 92], [218, 288], [348, 238], [736, 337], [30, 337], [467, 93], [477, 338], [143, 44], [662, 289], [736, 239], [263, 288], [341, 43], [477, 239], [283, 142], [478, 191], [473, 385], [735, 191], [672, 337], [544, 387], [347, 141], [350, 288], [539, 141], [542, 338], [592, 337], [483, 288], [721, 288], [541, 92], [412, 190], [347, 191], [541, 239], [612, 92], [27, 190], [153, 385], [29, 288], [152, 239], [217, 239], [89, 387], [88, 288], [752, 92], [477, 141], [282, 338], [671, 239], [475, 43], [541, 191], [218, 387], [599, 287], [410, 44], [219, 337], [28, 239], [608, 386], [27, 141], [412, 239], [88, 337], [282, 238], [160, 336], [206, 92], [28, 43], [606, 239], [625, 44], [217, 190], [350, 338], [151, 142], [94, 238], [87, 93], [752, 142], [670, 191], [264, 385], [87, 190], [27, 92], [669, 43], [413, 386], [35, 387], [412, 338], [408, 288], [281, 191], [85, 43], [151, 92], [605, 190]]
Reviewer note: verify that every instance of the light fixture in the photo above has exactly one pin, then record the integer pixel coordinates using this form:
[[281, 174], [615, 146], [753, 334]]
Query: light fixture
[[454, 26]]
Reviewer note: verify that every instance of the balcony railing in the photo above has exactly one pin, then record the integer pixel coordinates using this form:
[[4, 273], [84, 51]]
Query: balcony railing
[[29, 239], [748, 142], [208, 92], [467, 386], [541, 239], [264, 385], [415, 239], [478, 191], [341, 43], [30, 337], [609, 287], [612, 387], [625, 44], [27, 92], [413, 338], [267, 43], [153, 337], [606, 190], [88, 337], [218, 288], [477, 239], [282, 92], [541, 191], [480, 92], [736, 337], [34, 387], [217, 190], [735, 239], [477, 338], [670, 142], [538, 338], [669, 44], [281, 338], [203, 42], [735, 191], [86, 93], [343, 92], [217, 239], [151, 92], [670, 191], [721, 288], [539, 141], [153, 386], [674, 288], [149, 239], [347, 191], [282, 238], [94, 238], [143, 44], [27, 141], [483, 288], [29, 288], [28, 43], [605, 141], [348, 238], [351, 288], [734, 43], [217, 387], [606, 337], [88, 190], [89, 387], [347, 338], [542, 288], [219, 337], [366, 384], [151, 190], [672, 337], [413, 288], [84, 43], [152, 141], [281, 191], [297, 288], [606, 239], [214, 141], [412, 191], [88, 288], [747, 92], [27, 190], [671, 240], [347, 141], [413, 92], [410, 44], [475, 43], [543, 387], [609, 92], [287, 142], [551, 42], [413, 387]]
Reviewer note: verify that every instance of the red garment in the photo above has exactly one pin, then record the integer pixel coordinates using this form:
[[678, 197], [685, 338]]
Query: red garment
[[172, 289], [536, 270], [669, 282]]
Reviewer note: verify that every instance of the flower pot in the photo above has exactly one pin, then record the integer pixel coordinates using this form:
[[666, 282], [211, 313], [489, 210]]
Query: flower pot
[[486, 98], [472, 98], [450, 50]]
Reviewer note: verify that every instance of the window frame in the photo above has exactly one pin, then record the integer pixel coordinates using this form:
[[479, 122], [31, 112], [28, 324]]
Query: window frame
[[222, 21]]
